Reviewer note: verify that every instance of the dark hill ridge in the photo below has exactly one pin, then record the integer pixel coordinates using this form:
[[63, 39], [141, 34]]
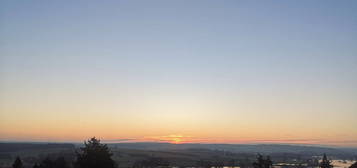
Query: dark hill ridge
[[15, 147], [241, 148], [236, 148]]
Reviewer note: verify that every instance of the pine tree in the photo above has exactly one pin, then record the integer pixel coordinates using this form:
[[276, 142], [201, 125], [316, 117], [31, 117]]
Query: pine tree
[[94, 155], [17, 163], [263, 163], [325, 163], [268, 163]]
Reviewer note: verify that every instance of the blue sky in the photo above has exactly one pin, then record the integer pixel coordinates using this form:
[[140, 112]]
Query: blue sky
[[282, 58]]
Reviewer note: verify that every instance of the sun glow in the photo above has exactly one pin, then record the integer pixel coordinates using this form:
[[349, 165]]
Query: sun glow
[[174, 139]]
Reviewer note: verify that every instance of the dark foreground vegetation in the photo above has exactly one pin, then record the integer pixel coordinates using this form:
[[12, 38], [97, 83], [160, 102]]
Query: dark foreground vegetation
[[94, 154]]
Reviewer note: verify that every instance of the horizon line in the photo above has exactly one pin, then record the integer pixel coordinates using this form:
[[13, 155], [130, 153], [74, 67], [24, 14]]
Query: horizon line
[[184, 143]]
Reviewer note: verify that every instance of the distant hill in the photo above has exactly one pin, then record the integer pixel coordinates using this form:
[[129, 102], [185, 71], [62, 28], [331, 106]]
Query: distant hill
[[15, 147], [235, 148], [242, 148]]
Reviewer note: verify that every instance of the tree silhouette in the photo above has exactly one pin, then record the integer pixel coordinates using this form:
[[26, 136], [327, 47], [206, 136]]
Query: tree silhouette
[[325, 163], [36, 166], [263, 163], [354, 165], [17, 163], [260, 162], [94, 155], [268, 163]]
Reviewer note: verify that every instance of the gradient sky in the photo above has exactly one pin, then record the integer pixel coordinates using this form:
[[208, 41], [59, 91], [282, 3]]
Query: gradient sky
[[179, 71]]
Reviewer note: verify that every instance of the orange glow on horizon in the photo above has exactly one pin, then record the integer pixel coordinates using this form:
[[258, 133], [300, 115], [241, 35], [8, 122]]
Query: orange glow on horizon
[[174, 139], [183, 139]]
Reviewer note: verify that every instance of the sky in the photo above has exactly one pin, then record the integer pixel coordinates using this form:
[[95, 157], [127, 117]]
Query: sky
[[179, 71]]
